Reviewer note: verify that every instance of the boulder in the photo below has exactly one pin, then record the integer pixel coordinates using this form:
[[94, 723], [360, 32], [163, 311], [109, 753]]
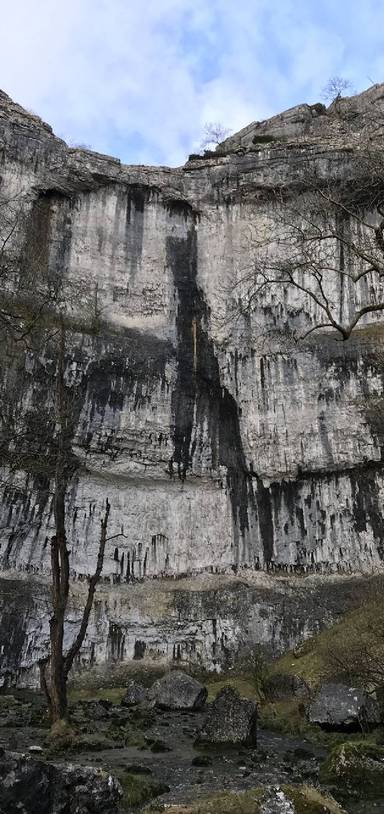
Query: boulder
[[230, 719], [284, 685], [356, 766], [343, 708], [178, 690], [30, 786], [135, 694]]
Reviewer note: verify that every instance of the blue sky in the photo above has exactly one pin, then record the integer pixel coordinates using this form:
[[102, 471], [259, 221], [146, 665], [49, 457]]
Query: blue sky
[[138, 79]]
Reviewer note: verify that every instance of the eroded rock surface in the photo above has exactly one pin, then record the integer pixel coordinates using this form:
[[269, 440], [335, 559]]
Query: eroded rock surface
[[223, 446]]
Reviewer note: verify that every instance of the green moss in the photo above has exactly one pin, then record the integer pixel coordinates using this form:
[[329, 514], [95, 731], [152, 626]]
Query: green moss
[[139, 789], [243, 684], [307, 800], [357, 765]]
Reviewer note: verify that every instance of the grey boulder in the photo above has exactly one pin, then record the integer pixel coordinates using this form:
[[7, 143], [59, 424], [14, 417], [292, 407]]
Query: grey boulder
[[340, 707], [135, 694], [230, 719], [177, 690], [30, 786]]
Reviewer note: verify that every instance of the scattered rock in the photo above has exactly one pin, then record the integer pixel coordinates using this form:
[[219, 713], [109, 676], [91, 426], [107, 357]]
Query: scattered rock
[[202, 760], [177, 690], [136, 694], [138, 768], [160, 746], [343, 708], [34, 787], [283, 685], [230, 719]]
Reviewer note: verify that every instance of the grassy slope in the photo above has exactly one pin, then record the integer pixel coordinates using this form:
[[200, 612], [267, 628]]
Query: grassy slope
[[318, 657]]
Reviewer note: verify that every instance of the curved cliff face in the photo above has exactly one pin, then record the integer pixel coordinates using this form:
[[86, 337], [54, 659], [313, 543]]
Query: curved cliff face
[[219, 441]]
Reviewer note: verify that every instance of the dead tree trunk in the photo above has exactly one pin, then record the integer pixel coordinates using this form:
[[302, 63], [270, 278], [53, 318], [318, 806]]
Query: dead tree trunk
[[59, 550], [75, 647], [55, 669]]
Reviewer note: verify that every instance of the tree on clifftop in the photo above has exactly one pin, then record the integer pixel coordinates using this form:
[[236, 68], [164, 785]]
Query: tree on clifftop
[[213, 134], [326, 242], [335, 87]]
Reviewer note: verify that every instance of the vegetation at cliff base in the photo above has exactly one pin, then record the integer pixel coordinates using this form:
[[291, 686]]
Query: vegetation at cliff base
[[352, 649]]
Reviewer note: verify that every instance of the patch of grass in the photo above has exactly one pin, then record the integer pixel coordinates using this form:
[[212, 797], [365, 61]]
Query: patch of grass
[[226, 802], [243, 684], [341, 650], [306, 800], [74, 743], [138, 789], [113, 694], [287, 717]]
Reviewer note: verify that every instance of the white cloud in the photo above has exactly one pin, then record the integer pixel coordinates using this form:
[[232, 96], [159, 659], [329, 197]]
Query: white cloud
[[140, 79]]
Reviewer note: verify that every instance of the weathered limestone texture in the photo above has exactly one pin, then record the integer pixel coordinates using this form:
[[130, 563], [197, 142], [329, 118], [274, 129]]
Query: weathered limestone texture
[[220, 443]]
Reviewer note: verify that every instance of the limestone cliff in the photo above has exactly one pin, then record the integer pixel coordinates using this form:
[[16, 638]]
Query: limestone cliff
[[221, 443]]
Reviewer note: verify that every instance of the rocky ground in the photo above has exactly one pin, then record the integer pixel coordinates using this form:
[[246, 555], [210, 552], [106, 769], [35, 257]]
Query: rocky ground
[[156, 755]]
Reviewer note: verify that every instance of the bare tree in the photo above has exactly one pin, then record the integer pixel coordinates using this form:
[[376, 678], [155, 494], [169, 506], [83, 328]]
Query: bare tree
[[213, 134], [29, 291], [326, 242], [33, 309], [335, 88]]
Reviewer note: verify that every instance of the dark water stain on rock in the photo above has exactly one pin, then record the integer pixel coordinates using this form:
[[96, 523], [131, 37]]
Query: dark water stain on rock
[[199, 398]]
